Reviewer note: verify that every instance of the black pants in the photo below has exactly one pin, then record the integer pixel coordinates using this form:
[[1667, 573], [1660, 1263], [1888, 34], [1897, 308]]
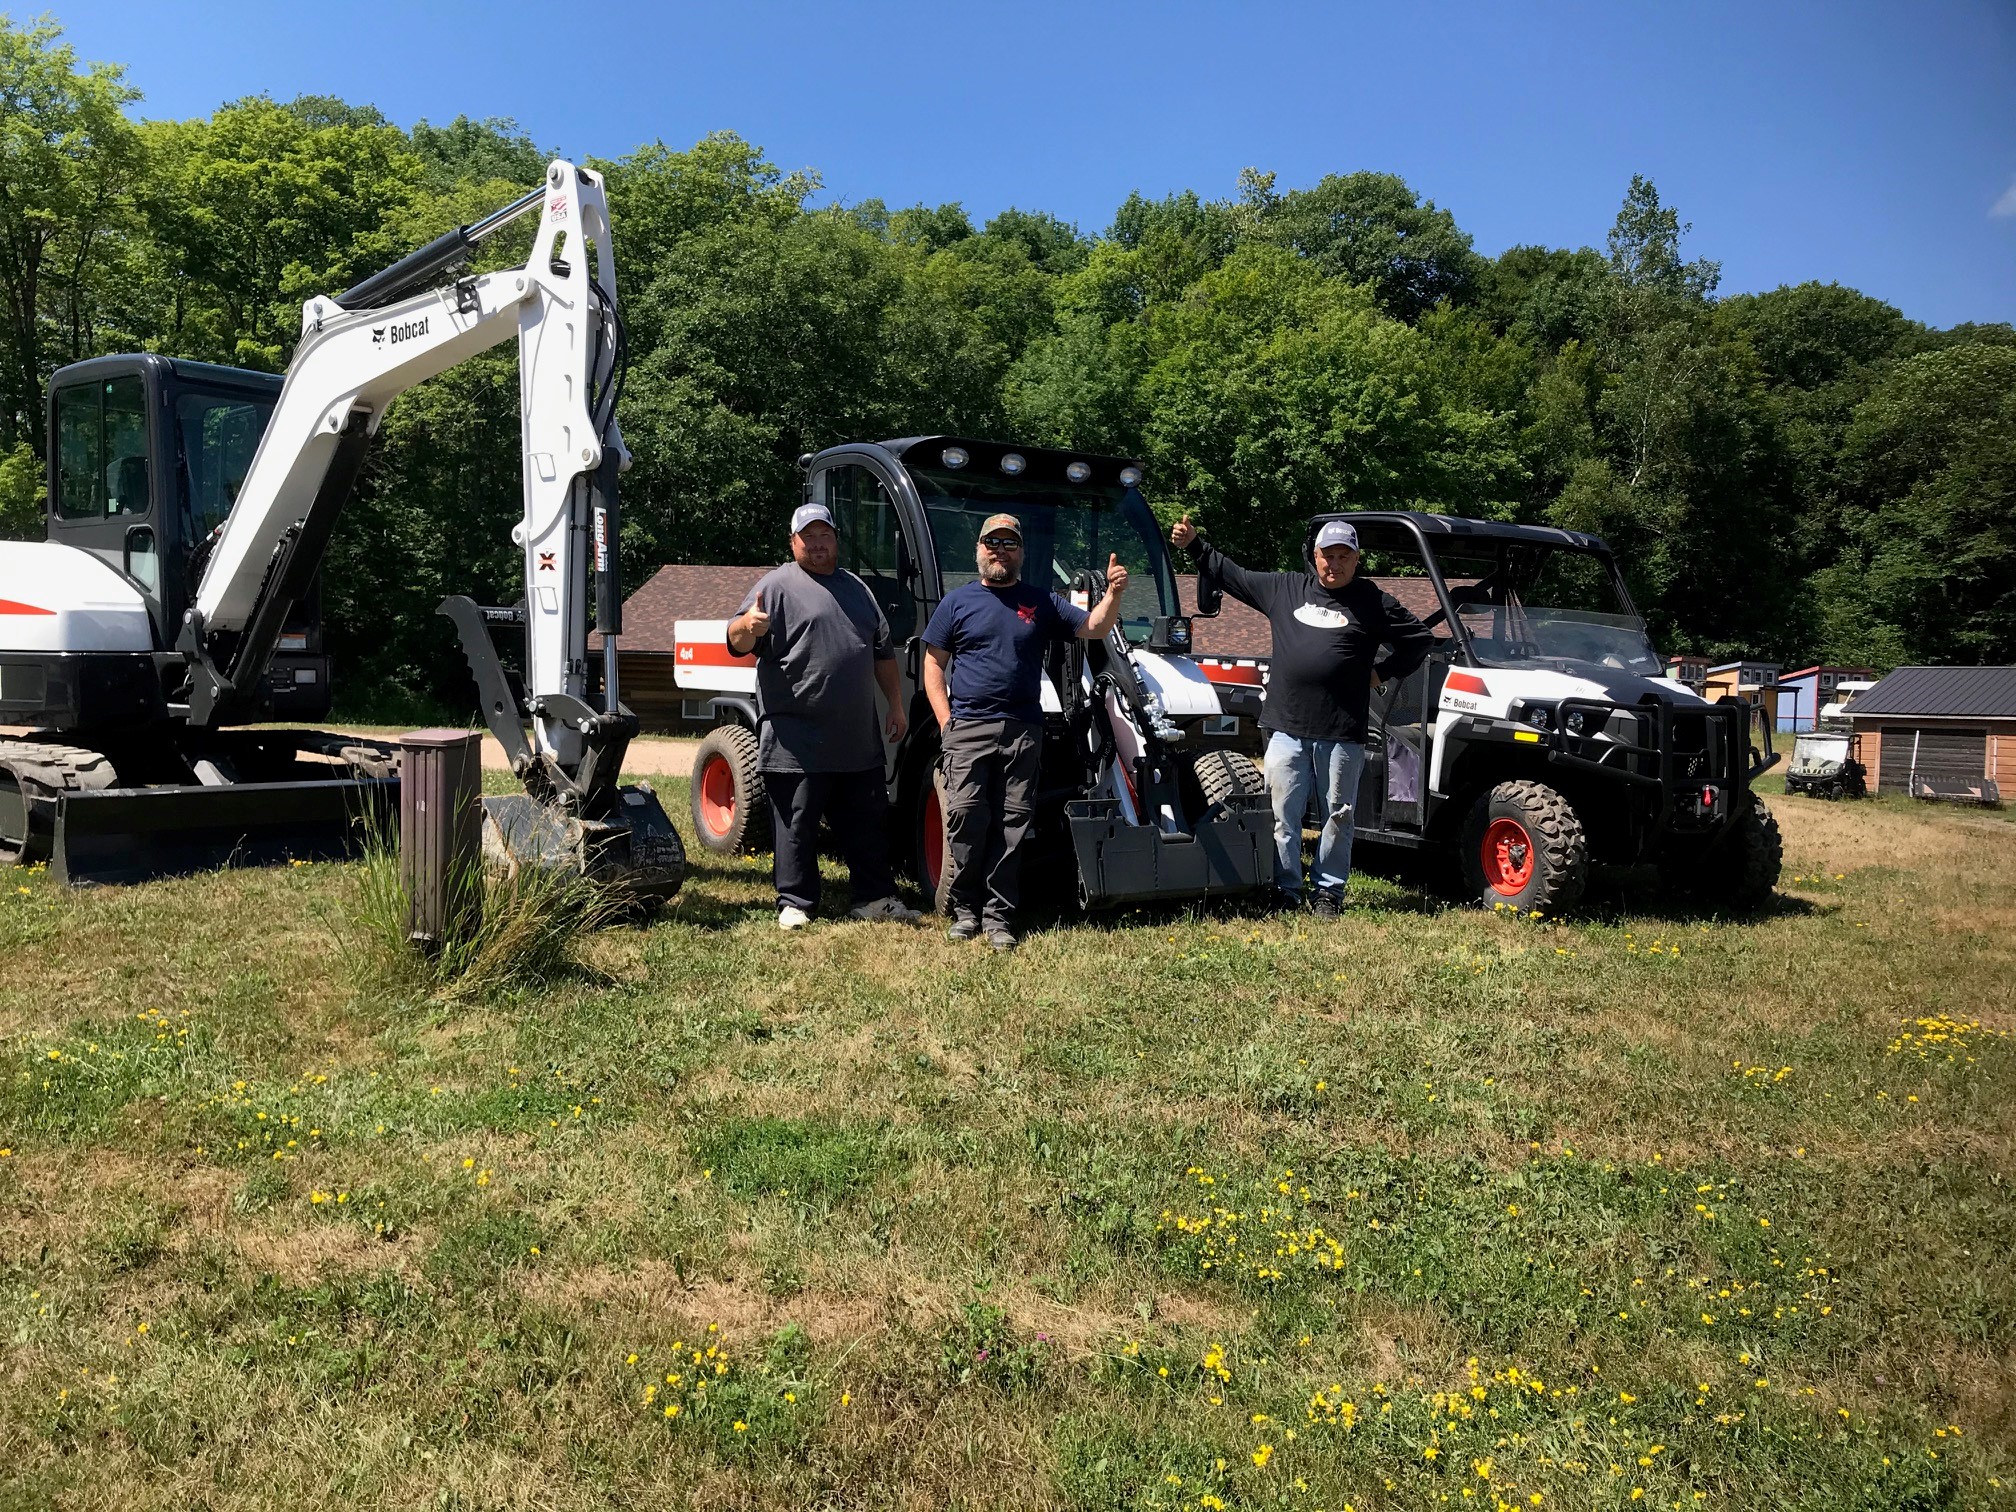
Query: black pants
[[857, 806], [990, 768]]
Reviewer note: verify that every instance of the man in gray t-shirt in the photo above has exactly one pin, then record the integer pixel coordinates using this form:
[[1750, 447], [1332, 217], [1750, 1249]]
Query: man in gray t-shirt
[[822, 649]]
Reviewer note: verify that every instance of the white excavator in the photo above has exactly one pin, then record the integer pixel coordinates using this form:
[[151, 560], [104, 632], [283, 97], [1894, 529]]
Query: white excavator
[[171, 612]]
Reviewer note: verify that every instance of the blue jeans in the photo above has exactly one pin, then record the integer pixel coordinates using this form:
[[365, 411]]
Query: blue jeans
[[1326, 771]]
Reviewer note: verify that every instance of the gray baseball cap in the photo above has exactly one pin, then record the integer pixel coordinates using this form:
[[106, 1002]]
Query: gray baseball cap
[[1337, 533], [810, 514]]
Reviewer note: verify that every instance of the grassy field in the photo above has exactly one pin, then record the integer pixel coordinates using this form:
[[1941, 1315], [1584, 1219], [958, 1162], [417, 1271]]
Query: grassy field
[[1424, 1208]]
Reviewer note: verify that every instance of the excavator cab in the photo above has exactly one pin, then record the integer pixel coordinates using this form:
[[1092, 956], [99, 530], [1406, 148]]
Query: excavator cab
[[146, 454]]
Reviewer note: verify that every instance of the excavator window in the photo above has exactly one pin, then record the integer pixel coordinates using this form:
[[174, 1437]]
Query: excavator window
[[101, 450], [216, 437]]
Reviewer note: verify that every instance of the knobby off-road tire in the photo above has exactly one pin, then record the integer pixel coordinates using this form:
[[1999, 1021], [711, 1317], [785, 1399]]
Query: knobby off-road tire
[[1523, 847], [1226, 774], [731, 810], [1739, 874]]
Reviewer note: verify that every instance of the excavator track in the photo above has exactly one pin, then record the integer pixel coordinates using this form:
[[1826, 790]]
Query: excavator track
[[32, 769]]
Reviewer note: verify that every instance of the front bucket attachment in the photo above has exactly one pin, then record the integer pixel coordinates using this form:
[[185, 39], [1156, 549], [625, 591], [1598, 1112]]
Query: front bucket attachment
[[1120, 862], [132, 834], [637, 852]]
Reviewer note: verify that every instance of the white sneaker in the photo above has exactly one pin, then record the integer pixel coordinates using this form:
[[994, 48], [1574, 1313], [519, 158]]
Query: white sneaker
[[890, 908], [791, 917]]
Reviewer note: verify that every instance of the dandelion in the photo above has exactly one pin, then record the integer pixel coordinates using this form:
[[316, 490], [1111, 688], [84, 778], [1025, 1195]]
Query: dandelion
[[1263, 1454]]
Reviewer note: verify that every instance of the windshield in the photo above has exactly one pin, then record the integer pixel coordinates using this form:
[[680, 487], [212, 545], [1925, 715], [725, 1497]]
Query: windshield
[[1524, 602], [216, 437], [1065, 530]]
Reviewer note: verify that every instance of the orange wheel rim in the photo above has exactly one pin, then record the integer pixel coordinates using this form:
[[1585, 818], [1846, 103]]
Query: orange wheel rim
[[934, 840], [717, 796], [1508, 857]]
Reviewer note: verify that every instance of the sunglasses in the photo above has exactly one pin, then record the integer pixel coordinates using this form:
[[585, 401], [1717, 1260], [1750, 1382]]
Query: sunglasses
[[1000, 543]]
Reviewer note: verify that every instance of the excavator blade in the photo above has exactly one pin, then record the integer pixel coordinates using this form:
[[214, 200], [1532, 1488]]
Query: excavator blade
[[132, 834]]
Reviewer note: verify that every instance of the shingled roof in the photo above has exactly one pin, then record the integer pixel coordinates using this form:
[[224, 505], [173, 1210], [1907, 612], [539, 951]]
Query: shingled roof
[[1941, 692], [687, 591]]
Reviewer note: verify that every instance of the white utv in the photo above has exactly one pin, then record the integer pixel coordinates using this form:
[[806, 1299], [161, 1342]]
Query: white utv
[[1540, 737]]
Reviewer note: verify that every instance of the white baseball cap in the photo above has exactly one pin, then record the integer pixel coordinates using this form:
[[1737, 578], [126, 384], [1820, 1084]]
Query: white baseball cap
[[1336, 533], [810, 514]]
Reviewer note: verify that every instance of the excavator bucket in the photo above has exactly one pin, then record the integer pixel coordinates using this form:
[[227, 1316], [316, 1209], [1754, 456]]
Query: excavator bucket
[[1231, 852], [636, 852]]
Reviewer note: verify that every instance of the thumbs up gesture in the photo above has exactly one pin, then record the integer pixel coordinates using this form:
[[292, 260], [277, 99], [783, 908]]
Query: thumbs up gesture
[[1116, 577], [749, 627], [1183, 533]]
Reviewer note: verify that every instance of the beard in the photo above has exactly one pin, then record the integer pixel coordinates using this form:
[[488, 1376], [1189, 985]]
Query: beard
[[999, 574]]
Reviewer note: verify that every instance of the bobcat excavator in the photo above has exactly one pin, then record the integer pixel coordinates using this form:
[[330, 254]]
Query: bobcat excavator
[[173, 601]]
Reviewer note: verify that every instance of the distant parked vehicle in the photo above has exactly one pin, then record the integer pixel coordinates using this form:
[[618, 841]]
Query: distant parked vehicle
[[1824, 766]]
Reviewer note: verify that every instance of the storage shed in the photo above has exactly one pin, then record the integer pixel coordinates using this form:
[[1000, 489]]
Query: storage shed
[[1947, 732]]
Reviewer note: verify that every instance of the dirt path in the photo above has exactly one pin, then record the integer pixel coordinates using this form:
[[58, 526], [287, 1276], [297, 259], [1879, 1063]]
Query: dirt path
[[648, 756]]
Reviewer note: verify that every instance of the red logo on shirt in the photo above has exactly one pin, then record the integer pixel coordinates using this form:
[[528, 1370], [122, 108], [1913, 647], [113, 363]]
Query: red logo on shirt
[[1026, 613]]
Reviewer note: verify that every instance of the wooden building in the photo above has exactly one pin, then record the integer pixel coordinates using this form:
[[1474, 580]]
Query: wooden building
[[1947, 732]]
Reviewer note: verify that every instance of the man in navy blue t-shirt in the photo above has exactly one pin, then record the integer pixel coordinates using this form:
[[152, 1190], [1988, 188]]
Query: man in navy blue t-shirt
[[983, 676]]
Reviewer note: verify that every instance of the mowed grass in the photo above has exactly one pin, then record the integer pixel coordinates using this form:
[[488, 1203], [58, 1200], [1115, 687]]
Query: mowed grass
[[1429, 1207]]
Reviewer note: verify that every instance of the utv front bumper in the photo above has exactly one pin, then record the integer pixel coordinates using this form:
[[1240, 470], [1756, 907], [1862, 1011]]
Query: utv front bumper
[[1694, 762]]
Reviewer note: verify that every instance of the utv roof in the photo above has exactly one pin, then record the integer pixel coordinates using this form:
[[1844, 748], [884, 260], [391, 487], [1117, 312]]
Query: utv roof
[[1444, 527]]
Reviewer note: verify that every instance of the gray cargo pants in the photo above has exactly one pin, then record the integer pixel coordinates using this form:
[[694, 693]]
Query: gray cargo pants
[[990, 768]]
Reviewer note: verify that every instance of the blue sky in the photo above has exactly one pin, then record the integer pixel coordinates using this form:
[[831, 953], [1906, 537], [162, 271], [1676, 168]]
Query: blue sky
[[1872, 145]]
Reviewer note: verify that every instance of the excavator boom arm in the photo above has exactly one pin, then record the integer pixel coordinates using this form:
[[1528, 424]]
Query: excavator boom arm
[[359, 351]]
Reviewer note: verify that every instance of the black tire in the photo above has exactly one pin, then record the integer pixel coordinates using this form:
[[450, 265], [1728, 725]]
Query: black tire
[[1225, 774], [1523, 847], [731, 811], [1739, 874]]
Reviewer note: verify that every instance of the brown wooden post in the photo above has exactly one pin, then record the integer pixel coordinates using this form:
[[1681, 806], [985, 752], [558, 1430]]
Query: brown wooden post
[[440, 831]]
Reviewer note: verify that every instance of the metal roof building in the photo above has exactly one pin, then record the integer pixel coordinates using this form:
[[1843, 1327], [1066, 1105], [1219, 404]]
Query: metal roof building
[[1938, 732]]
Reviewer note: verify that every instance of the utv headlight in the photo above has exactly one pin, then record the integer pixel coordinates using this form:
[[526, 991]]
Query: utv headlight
[[1576, 721], [1540, 716]]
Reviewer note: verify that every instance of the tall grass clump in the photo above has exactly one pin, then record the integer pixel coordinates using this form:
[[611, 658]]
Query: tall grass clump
[[507, 930]]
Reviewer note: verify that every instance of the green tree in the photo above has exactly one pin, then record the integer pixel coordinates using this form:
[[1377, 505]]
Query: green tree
[[1930, 461], [467, 151], [261, 206], [1278, 392], [1371, 228], [69, 162], [1052, 245]]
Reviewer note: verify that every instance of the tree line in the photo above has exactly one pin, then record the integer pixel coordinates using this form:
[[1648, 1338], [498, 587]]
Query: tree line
[[1801, 474]]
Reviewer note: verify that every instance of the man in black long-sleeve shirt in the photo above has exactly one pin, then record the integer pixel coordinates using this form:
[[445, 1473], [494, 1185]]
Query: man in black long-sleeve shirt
[[1328, 627]]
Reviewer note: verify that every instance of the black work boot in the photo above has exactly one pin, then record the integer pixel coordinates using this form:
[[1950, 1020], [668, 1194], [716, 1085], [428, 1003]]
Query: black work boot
[[1329, 904]]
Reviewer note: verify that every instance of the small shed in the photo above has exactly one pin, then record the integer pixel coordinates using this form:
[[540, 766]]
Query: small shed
[[1804, 693], [1947, 732]]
